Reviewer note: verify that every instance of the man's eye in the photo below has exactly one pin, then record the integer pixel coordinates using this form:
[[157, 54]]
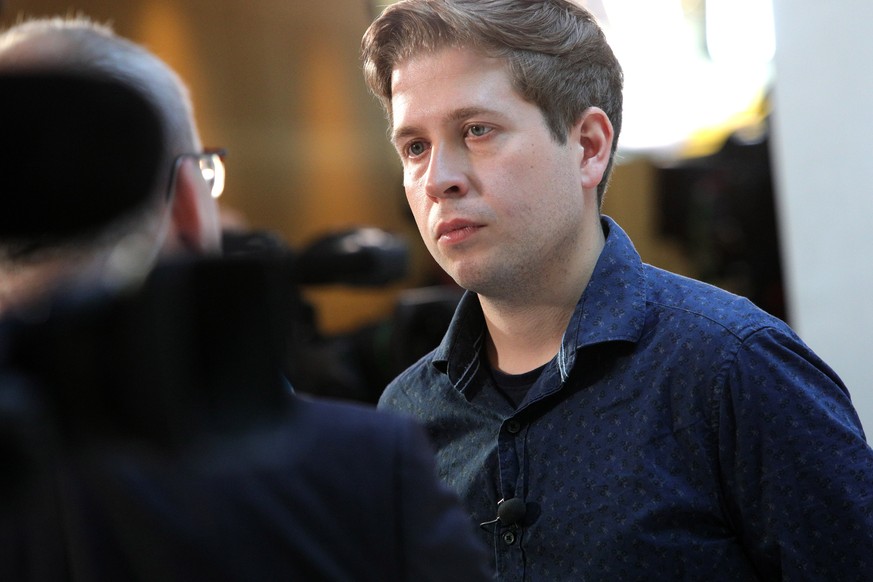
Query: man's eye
[[415, 149], [478, 130]]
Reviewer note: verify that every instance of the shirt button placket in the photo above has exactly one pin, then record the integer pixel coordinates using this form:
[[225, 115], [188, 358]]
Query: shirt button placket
[[510, 558]]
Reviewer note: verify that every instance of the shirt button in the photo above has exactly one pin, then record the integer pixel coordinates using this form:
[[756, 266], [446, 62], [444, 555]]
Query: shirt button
[[513, 426], [508, 538]]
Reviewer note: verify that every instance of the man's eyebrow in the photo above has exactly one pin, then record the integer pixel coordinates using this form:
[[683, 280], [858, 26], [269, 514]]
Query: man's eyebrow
[[401, 133]]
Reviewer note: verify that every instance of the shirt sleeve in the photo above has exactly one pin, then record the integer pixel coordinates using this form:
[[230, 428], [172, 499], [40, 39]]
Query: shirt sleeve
[[797, 472]]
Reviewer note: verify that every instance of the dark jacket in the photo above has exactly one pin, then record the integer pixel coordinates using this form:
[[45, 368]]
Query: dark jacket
[[150, 436]]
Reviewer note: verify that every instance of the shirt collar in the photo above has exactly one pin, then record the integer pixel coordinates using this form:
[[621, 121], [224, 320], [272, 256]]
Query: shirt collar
[[612, 308], [458, 353], [613, 305]]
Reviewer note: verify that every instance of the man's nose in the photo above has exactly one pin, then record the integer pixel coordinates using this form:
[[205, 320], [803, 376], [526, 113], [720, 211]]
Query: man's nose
[[446, 173]]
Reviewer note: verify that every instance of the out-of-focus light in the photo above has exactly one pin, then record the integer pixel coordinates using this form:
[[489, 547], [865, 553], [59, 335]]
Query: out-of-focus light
[[218, 177], [686, 75], [740, 32]]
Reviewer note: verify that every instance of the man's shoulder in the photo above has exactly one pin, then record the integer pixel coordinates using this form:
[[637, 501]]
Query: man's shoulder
[[413, 386], [690, 301], [332, 424], [636, 297], [348, 416]]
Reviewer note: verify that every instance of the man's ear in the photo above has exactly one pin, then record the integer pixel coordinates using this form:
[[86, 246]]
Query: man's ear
[[194, 214], [594, 134]]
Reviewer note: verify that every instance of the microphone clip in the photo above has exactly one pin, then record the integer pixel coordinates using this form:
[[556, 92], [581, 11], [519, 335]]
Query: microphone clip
[[509, 512]]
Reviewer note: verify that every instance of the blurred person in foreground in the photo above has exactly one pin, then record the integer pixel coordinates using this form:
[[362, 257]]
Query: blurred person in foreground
[[181, 216], [145, 433], [602, 419]]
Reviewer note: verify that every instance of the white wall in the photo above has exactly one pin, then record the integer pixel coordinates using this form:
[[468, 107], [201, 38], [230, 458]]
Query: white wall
[[823, 156]]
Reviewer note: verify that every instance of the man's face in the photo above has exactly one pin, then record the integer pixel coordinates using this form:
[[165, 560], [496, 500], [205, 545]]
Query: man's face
[[497, 200]]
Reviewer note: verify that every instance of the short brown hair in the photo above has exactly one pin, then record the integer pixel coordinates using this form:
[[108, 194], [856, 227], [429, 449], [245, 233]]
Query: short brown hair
[[555, 51]]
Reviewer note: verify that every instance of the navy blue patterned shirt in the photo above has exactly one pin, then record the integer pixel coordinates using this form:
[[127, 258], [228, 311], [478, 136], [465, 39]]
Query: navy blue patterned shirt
[[679, 434]]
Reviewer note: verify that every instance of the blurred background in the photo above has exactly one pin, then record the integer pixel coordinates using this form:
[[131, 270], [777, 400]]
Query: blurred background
[[737, 163]]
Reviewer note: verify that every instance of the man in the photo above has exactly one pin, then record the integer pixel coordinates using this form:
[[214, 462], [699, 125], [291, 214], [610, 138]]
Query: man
[[181, 216], [602, 419], [148, 434]]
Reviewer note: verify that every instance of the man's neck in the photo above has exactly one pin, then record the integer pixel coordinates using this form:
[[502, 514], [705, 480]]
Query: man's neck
[[521, 340], [24, 284], [525, 329]]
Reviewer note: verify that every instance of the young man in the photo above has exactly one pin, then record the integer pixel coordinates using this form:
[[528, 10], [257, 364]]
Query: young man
[[601, 418]]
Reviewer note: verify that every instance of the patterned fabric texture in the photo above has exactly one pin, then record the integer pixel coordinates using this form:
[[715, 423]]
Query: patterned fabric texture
[[680, 433]]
